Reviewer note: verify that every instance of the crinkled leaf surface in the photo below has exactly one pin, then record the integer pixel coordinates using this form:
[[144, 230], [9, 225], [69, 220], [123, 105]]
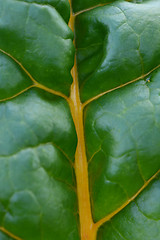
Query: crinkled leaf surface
[[113, 46], [111, 121], [139, 220], [80, 152], [37, 37]]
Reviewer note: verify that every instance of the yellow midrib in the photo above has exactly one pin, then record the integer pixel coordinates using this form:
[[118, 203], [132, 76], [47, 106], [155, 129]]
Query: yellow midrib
[[87, 227]]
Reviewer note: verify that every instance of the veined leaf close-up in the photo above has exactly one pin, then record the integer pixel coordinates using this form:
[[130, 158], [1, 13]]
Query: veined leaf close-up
[[79, 120]]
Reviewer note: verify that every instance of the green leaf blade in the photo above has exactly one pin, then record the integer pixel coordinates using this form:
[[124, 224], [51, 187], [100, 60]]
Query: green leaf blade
[[112, 49], [42, 43], [36, 192], [61, 6], [133, 222], [10, 86], [43, 183], [122, 141]]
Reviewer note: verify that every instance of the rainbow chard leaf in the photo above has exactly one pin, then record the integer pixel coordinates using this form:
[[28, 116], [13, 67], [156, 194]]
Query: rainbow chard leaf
[[79, 145]]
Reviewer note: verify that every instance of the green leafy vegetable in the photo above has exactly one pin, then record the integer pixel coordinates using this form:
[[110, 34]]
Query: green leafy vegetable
[[80, 150]]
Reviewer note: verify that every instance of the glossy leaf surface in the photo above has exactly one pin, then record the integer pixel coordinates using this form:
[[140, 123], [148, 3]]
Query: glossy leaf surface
[[37, 180], [37, 36], [112, 49], [139, 220], [80, 150], [123, 139], [62, 6]]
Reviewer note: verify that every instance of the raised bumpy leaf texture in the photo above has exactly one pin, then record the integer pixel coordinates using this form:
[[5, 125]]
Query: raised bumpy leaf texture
[[79, 122]]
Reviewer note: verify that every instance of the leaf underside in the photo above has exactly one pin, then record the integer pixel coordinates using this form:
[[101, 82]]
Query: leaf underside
[[118, 70]]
